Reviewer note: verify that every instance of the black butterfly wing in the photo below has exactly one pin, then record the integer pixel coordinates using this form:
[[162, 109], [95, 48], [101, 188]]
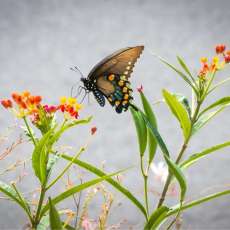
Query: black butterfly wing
[[111, 76]]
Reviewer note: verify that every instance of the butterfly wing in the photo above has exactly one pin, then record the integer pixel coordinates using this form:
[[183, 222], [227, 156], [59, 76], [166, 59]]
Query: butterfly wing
[[111, 76], [120, 62]]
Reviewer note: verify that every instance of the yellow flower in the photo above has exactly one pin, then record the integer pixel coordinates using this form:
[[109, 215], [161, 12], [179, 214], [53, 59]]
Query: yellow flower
[[78, 106], [72, 100], [63, 100], [204, 60], [215, 60]]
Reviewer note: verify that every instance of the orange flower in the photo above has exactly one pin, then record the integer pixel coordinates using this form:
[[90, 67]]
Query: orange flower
[[220, 48], [7, 103]]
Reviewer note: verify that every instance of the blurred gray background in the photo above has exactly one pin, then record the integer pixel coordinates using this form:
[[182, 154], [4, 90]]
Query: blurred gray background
[[40, 40]]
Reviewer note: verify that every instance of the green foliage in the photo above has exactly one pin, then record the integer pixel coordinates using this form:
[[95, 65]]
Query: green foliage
[[141, 130], [179, 112], [40, 156], [111, 181], [152, 142], [76, 189], [55, 221], [156, 218], [197, 156]]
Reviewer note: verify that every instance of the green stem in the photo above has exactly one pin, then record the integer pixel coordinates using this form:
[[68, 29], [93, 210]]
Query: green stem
[[145, 177], [181, 153], [41, 199], [66, 168], [29, 130]]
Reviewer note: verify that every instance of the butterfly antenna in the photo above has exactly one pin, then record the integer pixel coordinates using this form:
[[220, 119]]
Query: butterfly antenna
[[76, 69]]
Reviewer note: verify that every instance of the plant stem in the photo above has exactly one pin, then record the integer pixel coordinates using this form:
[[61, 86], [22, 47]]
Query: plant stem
[[65, 169], [145, 177], [41, 199], [181, 153], [29, 130]]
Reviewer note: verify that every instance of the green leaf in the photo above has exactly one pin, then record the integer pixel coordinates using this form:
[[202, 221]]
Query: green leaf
[[177, 172], [186, 69], [12, 194], [51, 162], [155, 218], [141, 130], [39, 156], [152, 143], [44, 223], [154, 132], [181, 74], [78, 188], [184, 101], [179, 111], [191, 204], [204, 119], [219, 84], [195, 157], [113, 182], [223, 101], [55, 221]]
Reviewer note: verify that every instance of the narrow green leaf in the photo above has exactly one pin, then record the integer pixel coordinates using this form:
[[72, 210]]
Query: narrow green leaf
[[219, 84], [154, 132], [195, 157], [39, 156], [11, 193], [223, 101], [78, 188], [191, 204], [181, 74], [156, 216], [179, 111], [152, 143], [140, 129], [55, 221], [177, 172], [186, 69], [113, 182], [204, 119]]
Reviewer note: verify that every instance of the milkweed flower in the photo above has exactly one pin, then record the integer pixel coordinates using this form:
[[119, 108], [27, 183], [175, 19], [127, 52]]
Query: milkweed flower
[[70, 107], [25, 104], [217, 63]]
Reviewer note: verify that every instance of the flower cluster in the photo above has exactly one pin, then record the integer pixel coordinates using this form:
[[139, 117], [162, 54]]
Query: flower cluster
[[24, 104], [216, 63], [70, 106]]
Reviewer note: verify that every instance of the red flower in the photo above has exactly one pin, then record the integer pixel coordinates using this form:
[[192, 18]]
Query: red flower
[[227, 59], [7, 103], [93, 130], [220, 48]]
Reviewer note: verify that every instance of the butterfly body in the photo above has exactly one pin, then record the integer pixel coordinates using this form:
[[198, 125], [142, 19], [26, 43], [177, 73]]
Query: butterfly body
[[110, 78]]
